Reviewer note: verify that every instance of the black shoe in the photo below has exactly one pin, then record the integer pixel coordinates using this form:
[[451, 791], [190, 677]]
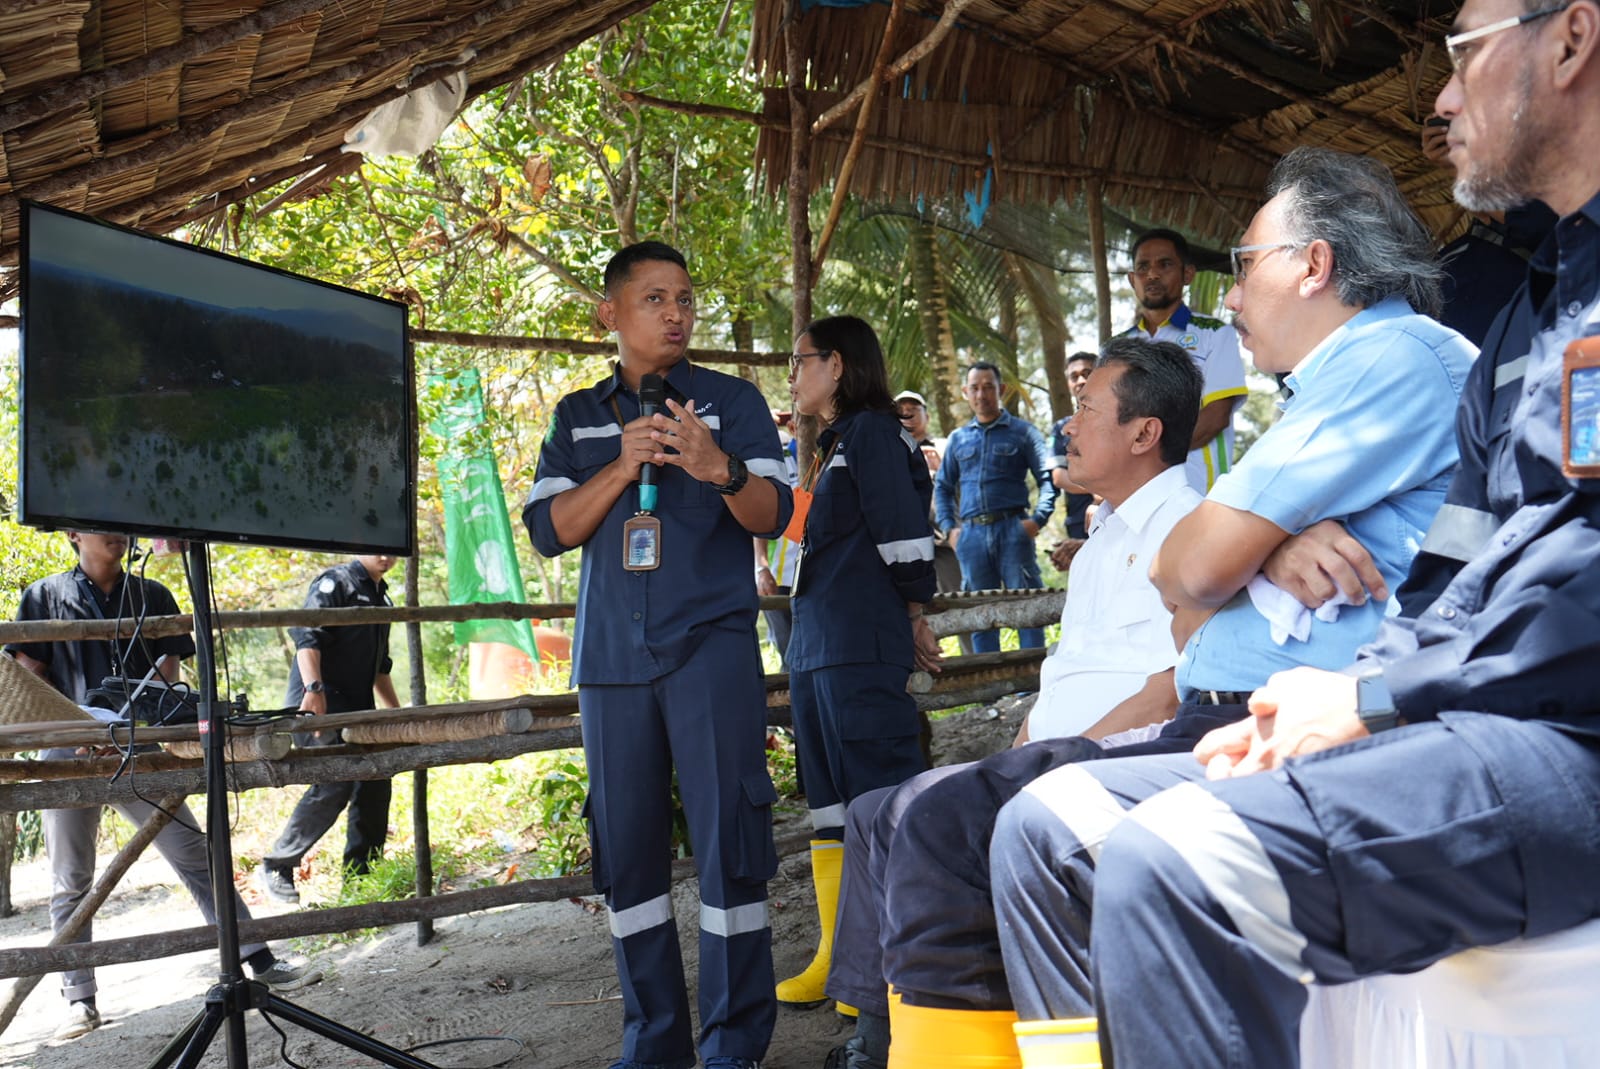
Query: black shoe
[[277, 882]]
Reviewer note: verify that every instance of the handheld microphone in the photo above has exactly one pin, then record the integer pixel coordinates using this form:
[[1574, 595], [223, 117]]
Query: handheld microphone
[[652, 397]]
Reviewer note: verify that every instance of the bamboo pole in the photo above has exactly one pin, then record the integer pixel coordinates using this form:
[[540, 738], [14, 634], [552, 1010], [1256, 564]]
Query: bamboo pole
[[85, 87], [159, 818], [34, 961], [583, 348], [847, 167], [910, 58], [420, 835]]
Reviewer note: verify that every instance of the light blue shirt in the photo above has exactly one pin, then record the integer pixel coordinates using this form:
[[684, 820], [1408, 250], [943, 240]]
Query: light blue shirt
[[1368, 438]]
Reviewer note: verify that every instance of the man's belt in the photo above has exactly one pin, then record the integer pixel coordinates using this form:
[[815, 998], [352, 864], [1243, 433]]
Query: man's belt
[[986, 519], [1217, 697]]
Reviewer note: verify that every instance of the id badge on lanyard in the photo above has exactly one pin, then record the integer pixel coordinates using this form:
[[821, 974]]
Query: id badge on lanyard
[[641, 532]]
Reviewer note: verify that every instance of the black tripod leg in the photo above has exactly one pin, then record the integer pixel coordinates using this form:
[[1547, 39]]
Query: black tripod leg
[[193, 1040], [340, 1034]]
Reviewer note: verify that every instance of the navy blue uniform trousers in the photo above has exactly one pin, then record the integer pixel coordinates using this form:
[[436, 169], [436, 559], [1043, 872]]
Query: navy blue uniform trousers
[[707, 718], [855, 730], [915, 907], [1215, 903]]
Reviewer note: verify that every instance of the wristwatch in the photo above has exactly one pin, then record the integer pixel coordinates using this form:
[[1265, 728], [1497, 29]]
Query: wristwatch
[[1374, 703], [316, 686], [738, 475]]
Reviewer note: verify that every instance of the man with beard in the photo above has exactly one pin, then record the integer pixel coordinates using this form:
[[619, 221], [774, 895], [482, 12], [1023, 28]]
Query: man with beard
[[1440, 792], [1161, 269]]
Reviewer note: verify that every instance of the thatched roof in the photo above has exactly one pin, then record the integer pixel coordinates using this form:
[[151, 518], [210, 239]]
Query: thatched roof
[[1178, 106], [157, 112]]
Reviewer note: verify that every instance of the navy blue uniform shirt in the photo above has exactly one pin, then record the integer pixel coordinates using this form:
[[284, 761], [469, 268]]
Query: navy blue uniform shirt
[[1077, 504], [986, 469], [868, 547], [634, 627], [353, 656], [77, 667], [1501, 610]]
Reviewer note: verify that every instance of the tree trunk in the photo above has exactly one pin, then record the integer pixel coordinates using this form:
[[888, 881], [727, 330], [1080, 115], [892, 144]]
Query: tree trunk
[[1097, 256], [1010, 364], [933, 311], [1044, 297]]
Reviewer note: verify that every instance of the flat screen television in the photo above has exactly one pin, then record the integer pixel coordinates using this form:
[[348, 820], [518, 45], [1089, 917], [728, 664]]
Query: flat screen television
[[171, 390]]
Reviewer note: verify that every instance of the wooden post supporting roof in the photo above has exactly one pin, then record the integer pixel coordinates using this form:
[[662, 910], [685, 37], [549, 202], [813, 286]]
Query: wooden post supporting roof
[[1098, 254]]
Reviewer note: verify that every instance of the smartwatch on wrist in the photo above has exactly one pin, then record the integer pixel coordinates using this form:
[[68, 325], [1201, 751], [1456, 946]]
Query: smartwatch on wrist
[[316, 686], [738, 475], [1374, 703]]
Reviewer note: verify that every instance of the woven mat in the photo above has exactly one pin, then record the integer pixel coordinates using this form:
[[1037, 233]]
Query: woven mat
[[27, 699]]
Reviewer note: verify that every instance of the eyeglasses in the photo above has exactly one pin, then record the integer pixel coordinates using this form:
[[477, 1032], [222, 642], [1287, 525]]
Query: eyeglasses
[[797, 359], [1459, 55], [1239, 267]]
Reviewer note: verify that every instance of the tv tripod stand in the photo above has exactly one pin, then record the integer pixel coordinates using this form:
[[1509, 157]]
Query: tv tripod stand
[[233, 996]]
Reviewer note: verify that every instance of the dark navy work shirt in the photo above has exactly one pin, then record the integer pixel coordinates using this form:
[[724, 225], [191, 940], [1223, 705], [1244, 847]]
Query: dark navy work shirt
[[77, 667], [1501, 611], [868, 547], [354, 655], [1077, 504], [986, 468], [634, 627]]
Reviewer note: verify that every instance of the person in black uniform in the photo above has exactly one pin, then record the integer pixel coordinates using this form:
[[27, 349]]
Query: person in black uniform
[[97, 588], [665, 660], [866, 570], [337, 670]]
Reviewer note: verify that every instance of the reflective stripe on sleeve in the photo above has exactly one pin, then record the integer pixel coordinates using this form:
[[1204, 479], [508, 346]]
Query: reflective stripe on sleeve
[[550, 487], [1232, 865], [767, 469], [906, 550], [838, 461], [640, 918]]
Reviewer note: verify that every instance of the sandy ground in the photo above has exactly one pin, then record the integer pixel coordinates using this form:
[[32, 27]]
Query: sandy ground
[[537, 980]]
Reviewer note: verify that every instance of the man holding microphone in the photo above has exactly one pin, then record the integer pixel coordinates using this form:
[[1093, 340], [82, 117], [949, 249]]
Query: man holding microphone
[[664, 497]]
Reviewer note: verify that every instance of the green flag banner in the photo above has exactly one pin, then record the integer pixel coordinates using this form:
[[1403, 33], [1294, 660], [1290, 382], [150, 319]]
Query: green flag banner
[[477, 526]]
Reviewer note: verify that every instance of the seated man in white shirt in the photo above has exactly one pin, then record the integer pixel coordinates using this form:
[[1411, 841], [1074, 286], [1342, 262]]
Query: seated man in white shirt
[[1129, 440]]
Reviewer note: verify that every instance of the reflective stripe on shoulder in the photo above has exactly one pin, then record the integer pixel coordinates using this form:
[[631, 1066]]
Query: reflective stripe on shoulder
[[1459, 532], [838, 460], [1232, 864]]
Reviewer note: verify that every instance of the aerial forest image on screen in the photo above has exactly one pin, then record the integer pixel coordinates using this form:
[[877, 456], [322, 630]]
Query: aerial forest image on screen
[[248, 402]]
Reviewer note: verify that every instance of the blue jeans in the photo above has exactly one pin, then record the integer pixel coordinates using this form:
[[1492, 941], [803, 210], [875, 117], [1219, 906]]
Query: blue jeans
[[999, 556]]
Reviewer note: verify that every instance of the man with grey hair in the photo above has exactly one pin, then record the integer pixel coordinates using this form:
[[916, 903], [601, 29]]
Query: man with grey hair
[[1330, 278], [1439, 792]]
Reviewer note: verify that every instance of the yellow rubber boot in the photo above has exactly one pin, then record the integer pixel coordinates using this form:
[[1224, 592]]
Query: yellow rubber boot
[[827, 859], [923, 1038], [1070, 1044]]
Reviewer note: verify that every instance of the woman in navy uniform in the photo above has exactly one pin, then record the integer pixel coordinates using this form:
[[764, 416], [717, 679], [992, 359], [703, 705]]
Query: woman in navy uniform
[[866, 570]]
